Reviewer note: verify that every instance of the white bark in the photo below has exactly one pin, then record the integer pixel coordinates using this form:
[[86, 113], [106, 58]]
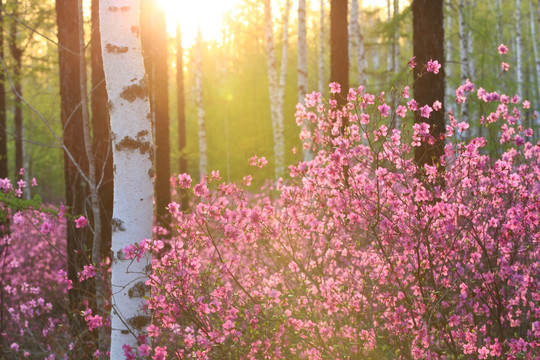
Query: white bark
[[449, 54], [322, 32], [499, 22], [302, 52], [470, 43], [131, 133], [203, 153], [396, 38], [464, 58], [277, 91], [389, 56], [357, 38], [535, 51], [519, 50]]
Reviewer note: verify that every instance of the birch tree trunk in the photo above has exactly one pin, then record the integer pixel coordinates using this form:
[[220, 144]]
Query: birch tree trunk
[[470, 42], [356, 35], [519, 50], [322, 54], [464, 58], [396, 37], [499, 22], [277, 90], [181, 113], [3, 120], [132, 153], [203, 155], [535, 52], [449, 54], [389, 55], [302, 52]]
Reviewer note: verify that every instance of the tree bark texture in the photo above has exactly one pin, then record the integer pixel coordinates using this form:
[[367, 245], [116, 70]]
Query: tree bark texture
[[339, 57], [131, 131], [3, 121], [428, 43], [203, 152], [74, 156], [181, 110]]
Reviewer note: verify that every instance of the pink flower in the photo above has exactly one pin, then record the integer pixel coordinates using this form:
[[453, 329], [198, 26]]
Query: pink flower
[[526, 104], [502, 49], [247, 180], [433, 66], [384, 109], [88, 272], [364, 119], [437, 105], [161, 353], [93, 321], [412, 62], [505, 66], [174, 207], [462, 126], [425, 111], [81, 222], [144, 350], [184, 181], [335, 88], [405, 92], [401, 110], [15, 347]]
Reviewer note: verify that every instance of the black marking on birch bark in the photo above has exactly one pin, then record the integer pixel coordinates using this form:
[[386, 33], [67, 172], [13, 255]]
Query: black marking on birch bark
[[128, 143], [113, 8], [135, 29], [142, 133], [148, 269], [133, 80], [114, 169], [116, 49], [138, 290], [151, 173], [120, 255], [124, 332], [110, 105], [135, 91], [125, 8], [117, 225], [139, 322]]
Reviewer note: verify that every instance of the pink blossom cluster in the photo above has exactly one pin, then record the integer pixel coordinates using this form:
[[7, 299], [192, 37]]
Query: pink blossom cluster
[[363, 254]]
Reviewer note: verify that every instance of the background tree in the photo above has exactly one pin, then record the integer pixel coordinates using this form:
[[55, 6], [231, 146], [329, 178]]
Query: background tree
[[3, 122], [75, 160], [181, 114], [428, 44], [339, 57]]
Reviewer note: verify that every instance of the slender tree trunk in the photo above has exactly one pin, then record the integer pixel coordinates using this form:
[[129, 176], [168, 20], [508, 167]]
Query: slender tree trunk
[[534, 41], [181, 107], [500, 24], [322, 52], [76, 188], [390, 53], [464, 57], [339, 57], [101, 136], [396, 38], [3, 121], [449, 52], [302, 52], [355, 33], [160, 90], [428, 43], [93, 187], [131, 131], [470, 40], [17, 54], [203, 152], [519, 50], [277, 90]]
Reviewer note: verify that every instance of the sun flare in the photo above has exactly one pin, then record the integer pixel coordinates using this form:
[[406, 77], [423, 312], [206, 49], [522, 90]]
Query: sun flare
[[192, 15]]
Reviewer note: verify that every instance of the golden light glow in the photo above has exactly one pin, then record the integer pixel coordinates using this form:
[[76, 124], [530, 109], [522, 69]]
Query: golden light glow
[[206, 14]]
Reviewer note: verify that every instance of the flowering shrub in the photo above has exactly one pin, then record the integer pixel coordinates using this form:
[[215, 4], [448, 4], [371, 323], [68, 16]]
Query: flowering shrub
[[363, 254], [33, 280]]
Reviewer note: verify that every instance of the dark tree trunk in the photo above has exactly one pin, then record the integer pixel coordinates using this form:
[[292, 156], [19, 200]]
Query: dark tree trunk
[[339, 44], [3, 138], [181, 115], [160, 90], [78, 240], [428, 43], [101, 141]]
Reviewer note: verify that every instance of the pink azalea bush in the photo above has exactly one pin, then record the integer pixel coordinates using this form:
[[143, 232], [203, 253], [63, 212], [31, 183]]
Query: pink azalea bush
[[363, 254], [33, 282]]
